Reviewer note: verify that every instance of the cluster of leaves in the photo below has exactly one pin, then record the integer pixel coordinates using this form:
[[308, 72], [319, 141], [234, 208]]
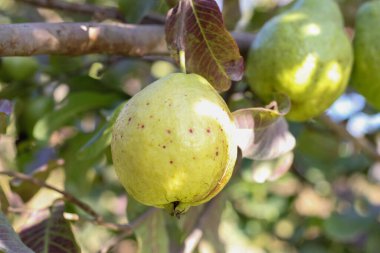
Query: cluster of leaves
[[55, 125]]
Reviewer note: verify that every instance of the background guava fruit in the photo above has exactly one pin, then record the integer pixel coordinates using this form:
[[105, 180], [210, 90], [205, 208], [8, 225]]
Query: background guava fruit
[[19, 68], [173, 145], [303, 53], [366, 70]]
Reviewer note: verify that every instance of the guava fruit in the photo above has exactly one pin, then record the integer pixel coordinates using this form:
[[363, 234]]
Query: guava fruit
[[366, 71], [19, 68], [303, 53], [173, 145]]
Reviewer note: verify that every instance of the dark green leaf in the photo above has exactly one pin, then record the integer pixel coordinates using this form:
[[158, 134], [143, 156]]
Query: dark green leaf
[[347, 226], [5, 112], [73, 105], [152, 235], [196, 26], [4, 204], [51, 234], [9, 240], [231, 13], [134, 10]]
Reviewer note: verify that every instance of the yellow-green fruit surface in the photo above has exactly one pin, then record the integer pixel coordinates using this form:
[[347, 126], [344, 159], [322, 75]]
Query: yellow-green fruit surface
[[305, 54], [173, 144], [366, 71]]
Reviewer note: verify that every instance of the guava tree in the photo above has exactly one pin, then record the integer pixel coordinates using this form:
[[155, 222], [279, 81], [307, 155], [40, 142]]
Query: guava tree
[[189, 126]]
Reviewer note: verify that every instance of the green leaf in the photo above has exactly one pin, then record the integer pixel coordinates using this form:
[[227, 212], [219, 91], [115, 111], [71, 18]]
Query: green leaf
[[206, 218], [196, 26], [152, 235], [73, 105], [231, 13], [5, 112], [4, 203], [102, 139], [134, 10], [347, 226], [51, 234], [9, 240]]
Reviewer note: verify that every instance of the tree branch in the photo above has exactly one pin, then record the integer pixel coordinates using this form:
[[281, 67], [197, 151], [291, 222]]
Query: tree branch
[[100, 13], [98, 219], [360, 143], [81, 38], [89, 38]]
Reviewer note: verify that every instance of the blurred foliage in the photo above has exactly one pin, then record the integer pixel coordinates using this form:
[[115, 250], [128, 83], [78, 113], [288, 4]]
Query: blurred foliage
[[59, 131]]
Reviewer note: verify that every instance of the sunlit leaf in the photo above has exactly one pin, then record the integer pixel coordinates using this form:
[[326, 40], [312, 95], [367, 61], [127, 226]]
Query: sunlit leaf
[[197, 27], [73, 105], [262, 133], [27, 190], [51, 234], [9, 240], [5, 112], [152, 235], [102, 138], [271, 170]]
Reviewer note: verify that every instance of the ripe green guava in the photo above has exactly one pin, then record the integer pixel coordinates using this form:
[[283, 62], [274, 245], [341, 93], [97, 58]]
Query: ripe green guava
[[303, 53], [366, 70], [173, 144]]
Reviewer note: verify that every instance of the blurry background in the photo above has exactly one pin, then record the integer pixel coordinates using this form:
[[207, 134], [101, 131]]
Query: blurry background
[[328, 201]]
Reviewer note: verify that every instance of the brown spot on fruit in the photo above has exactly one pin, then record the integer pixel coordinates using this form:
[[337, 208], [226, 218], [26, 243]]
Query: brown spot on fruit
[[142, 126], [191, 130], [171, 162], [208, 130], [168, 131], [164, 146], [147, 103], [216, 153]]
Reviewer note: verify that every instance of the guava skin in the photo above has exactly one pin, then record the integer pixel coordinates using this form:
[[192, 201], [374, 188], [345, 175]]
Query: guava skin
[[305, 54], [173, 144], [19, 68], [366, 74]]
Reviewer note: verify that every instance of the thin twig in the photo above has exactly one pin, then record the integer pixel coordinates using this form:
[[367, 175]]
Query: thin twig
[[360, 143], [99, 12], [96, 218]]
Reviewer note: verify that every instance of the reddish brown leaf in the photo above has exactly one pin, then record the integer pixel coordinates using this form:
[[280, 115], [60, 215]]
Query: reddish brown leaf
[[9, 240], [262, 133], [51, 234], [197, 27]]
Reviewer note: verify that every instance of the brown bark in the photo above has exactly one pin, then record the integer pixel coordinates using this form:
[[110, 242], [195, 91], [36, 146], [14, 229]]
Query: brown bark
[[80, 39]]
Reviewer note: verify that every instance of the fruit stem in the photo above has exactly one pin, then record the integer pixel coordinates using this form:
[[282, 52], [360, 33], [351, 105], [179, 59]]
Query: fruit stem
[[182, 61]]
